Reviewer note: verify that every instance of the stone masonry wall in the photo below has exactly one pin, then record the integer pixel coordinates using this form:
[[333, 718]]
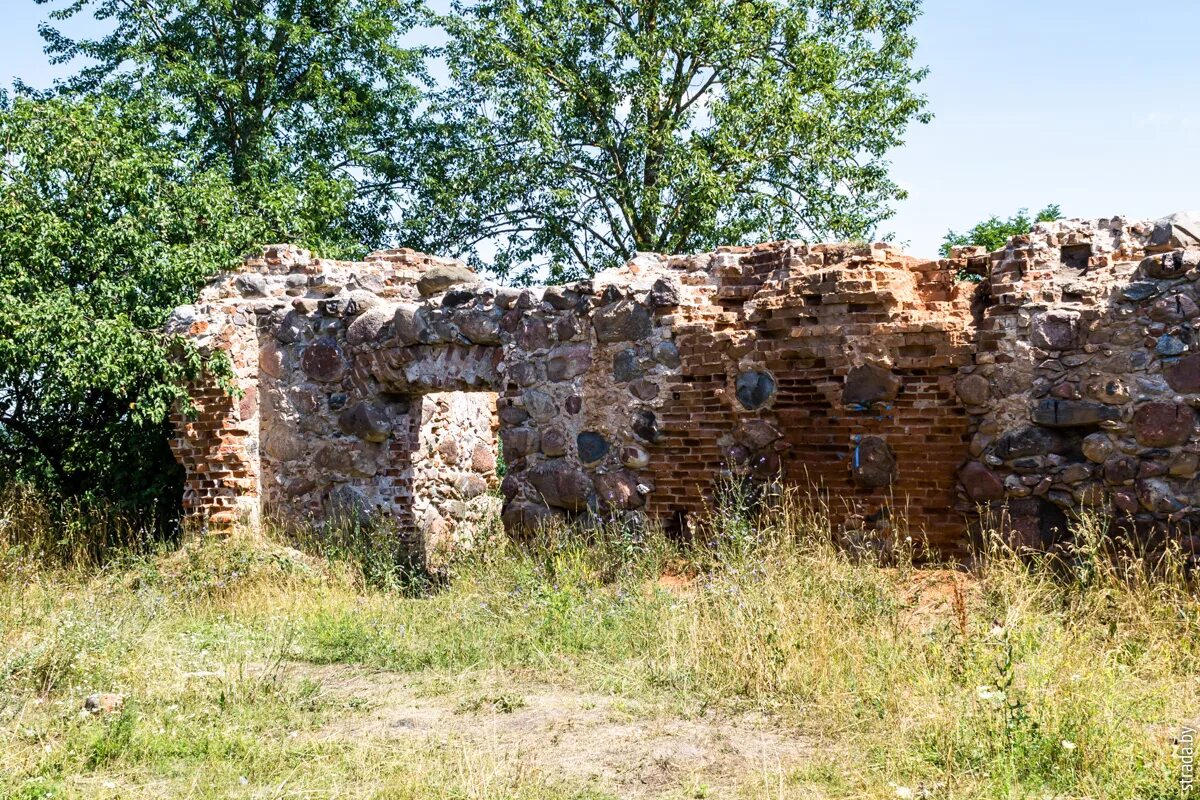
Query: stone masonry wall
[[298, 445], [901, 393], [1087, 378]]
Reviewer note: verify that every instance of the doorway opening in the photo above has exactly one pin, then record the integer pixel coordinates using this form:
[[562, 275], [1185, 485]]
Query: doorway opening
[[456, 470]]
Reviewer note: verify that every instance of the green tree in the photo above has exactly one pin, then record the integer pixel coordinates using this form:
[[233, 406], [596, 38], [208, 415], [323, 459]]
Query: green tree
[[576, 132], [313, 92], [993, 233], [105, 226]]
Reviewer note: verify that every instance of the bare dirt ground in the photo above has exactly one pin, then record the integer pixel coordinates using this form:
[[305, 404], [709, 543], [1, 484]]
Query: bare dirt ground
[[624, 747], [934, 597]]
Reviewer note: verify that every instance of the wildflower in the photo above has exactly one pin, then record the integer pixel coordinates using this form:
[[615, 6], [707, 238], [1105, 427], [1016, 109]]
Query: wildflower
[[1066, 745], [903, 792], [989, 695]]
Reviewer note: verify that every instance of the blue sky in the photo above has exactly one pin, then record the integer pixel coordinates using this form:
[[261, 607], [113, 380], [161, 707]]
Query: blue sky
[[1091, 104]]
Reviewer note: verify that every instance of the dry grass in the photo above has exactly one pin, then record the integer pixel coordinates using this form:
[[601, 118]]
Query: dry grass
[[561, 668]]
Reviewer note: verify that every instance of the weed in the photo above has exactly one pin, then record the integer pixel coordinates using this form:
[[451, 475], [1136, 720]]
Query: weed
[[505, 703]]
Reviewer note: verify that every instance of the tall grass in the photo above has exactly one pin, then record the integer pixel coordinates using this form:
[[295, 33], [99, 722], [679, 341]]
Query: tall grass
[[1058, 675], [71, 532]]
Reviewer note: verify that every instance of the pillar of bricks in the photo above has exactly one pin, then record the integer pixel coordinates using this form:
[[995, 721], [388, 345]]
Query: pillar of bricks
[[217, 440]]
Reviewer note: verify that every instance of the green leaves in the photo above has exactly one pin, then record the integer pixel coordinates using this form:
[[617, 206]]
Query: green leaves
[[195, 130], [993, 233], [107, 222], [572, 134], [315, 94], [577, 132], [103, 228]]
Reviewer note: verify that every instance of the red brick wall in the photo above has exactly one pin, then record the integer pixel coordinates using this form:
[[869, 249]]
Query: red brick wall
[[217, 443], [806, 316]]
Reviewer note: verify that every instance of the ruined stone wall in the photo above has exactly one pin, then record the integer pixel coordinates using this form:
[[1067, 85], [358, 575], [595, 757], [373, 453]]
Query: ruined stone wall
[[895, 389], [299, 444], [218, 446], [1087, 378]]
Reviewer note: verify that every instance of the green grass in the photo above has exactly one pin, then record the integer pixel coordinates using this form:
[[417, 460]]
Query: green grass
[[1064, 679]]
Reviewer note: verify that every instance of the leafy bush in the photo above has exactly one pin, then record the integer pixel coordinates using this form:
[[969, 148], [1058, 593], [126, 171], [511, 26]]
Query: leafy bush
[[108, 222], [993, 233]]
